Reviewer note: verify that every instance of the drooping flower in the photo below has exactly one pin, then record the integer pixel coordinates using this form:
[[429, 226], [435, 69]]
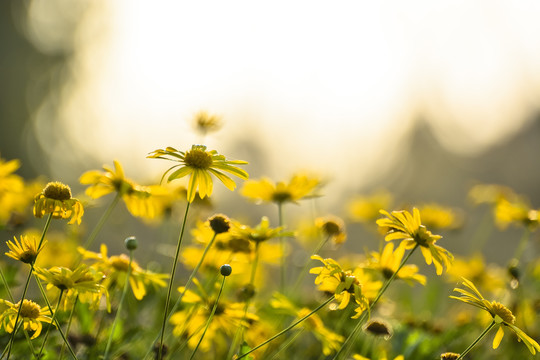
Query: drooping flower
[[56, 199], [299, 187], [502, 316], [139, 199], [199, 163], [25, 251], [115, 269], [407, 227], [388, 261], [259, 233], [32, 316], [333, 228]]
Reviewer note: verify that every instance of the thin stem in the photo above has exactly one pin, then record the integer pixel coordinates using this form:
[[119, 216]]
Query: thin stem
[[484, 333], [209, 319], [282, 247], [345, 347], [10, 343], [52, 320], [306, 265], [522, 243], [101, 221], [171, 281], [69, 326], [117, 316], [287, 344], [288, 328]]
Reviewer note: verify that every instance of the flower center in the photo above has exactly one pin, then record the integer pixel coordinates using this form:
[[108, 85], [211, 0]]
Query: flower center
[[387, 272], [281, 196], [30, 309], [198, 158], [120, 263], [331, 228], [503, 312], [28, 256], [57, 191], [219, 223]]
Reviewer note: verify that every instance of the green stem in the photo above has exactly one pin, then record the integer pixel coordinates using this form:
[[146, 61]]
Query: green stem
[[282, 247], [287, 344], [10, 343], [69, 326], [522, 244], [288, 328], [101, 222], [345, 347], [209, 319], [117, 316], [306, 265], [52, 320], [484, 333], [171, 280]]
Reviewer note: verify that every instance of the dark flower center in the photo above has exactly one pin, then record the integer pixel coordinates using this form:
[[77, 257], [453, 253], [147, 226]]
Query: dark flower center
[[57, 191], [198, 158]]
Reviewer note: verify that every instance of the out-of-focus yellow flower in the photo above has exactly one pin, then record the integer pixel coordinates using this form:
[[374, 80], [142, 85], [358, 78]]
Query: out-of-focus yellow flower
[[192, 318], [346, 285], [259, 233], [199, 163], [383, 356], [490, 194], [115, 269], [205, 123], [436, 216], [330, 341], [299, 187], [83, 282], [501, 315], [56, 199], [517, 212], [366, 208], [449, 356], [388, 262], [140, 200], [26, 250], [408, 228], [32, 316], [333, 228], [474, 268]]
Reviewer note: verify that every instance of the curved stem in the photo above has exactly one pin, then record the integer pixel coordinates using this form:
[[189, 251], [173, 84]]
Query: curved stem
[[171, 281], [101, 222], [52, 320], [117, 316], [288, 327], [484, 333], [345, 347], [209, 318]]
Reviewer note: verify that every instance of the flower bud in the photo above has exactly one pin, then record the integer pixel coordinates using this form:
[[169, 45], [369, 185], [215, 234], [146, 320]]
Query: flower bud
[[225, 270], [131, 243]]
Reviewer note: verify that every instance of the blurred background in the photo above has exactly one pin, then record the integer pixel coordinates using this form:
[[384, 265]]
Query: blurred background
[[421, 98]]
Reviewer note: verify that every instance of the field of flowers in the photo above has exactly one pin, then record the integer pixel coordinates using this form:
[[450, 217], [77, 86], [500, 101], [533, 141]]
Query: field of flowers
[[288, 290]]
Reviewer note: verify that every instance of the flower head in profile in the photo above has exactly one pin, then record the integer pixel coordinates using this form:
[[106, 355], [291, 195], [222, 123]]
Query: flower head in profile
[[115, 269], [259, 233], [382, 356], [366, 208], [435, 216], [139, 199], [407, 227], [501, 315], [346, 285], [56, 199], [387, 262], [204, 123], [199, 163], [25, 250], [330, 341], [517, 212], [333, 228], [32, 316], [83, 282], [299, 187]]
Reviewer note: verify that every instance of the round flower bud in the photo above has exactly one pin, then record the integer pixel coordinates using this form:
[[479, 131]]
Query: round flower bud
[[131, 243], [225, 270], [219, 223]]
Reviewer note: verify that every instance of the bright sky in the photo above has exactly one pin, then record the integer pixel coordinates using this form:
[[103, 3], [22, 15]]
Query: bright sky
[[328, 87]]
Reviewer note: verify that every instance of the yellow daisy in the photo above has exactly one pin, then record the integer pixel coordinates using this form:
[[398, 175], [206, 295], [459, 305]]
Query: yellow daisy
[[435, 216], [333, 228], [205, 123], [26, 250], [199, 164], [32, 316], [387, 262], [502, 316], [299, 187], [259, 233], [366, 208], [56, 199], [401, 225]]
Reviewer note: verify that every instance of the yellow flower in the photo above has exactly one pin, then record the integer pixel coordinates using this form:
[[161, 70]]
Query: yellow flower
[[366, 208], [25, 251], [260, 233], [56, 199], [199, 164], [32, 316], [345, 284], [381, 357], [408, 228], [474, 268], [9, 181], [300, 187], [330, 341], [192, 318], [435, 216], [83, 282], [501, 315], [115, 269], [139, 199], [333, 228], [205, 123], [388, 262], [490, 194], [515, 212]]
